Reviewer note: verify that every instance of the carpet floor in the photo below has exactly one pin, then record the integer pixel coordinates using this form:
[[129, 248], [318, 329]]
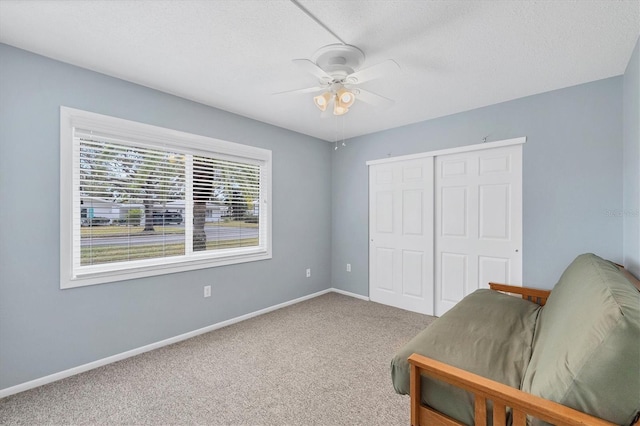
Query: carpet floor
[[324, 361]]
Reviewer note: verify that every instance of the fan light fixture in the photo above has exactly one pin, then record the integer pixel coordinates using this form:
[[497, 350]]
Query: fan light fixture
[[342, 100], [338, 108], [345, 98], [322, 101]]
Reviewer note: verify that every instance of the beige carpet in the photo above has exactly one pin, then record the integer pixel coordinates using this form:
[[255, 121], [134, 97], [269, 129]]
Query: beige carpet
[[324, 361]]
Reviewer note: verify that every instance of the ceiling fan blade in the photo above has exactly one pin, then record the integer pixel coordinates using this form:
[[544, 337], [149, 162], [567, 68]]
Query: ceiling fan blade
[[305, 90], [372, 72], [372, 98], [312, 68]]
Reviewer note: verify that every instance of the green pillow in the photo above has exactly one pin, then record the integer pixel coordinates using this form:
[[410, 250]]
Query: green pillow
[[586, 352]]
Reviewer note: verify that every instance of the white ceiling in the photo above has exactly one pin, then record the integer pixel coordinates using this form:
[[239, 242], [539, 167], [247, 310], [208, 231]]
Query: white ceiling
[[234, 54]]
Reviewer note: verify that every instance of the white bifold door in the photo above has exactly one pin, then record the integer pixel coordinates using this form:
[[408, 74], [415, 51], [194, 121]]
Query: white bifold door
[[444, 225]]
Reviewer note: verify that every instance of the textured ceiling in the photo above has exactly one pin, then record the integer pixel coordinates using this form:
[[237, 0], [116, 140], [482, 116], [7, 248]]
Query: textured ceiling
[[232, 54]]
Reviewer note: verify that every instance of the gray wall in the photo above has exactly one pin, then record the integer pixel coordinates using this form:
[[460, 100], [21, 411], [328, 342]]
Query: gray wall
[[631, 136], [572, 176], [44, 330]]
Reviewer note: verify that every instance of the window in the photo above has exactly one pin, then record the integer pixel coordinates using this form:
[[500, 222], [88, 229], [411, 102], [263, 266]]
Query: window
[[139, 200]]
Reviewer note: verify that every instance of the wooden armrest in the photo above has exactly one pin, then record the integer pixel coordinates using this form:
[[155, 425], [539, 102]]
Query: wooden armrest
[[534, 295], [630, 277], [521, 403]]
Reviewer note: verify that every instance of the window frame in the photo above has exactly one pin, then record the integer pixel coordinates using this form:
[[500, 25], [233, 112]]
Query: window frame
[[158, 138]]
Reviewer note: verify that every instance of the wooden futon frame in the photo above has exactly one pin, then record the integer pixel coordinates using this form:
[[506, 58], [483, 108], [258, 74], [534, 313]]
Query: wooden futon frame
[[483, 389]]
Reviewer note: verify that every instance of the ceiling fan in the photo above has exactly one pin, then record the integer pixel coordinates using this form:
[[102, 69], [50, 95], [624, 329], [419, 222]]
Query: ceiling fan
[[337, 68]]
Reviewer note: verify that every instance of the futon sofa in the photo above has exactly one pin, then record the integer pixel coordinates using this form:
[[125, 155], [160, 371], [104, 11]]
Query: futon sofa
[[567, 356]]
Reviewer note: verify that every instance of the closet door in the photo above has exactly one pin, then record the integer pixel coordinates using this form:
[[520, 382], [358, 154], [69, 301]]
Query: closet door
[[478, 222], [401, 234]]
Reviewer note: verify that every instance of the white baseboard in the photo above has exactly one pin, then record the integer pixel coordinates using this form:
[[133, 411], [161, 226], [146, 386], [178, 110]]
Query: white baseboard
[[133, 352], [348, 293]]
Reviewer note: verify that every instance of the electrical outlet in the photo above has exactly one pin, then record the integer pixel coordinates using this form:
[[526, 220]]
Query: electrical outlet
[[348, 267], [308, 272], [207, 291]]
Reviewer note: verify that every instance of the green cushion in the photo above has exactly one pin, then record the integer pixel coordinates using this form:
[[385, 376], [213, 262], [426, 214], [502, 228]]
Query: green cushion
[[587, 346], [487, 333]]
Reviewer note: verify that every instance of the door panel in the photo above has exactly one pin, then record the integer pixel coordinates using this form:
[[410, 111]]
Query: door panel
[[401, 234], [412, 212], [495, 164], [478, 222], [493, 269], [454, 167], [412, 273], [384, 268], [453, 211], [495, 204], [454, 273]]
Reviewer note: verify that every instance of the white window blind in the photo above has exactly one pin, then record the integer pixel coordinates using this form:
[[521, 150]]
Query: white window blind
[[144, 200]]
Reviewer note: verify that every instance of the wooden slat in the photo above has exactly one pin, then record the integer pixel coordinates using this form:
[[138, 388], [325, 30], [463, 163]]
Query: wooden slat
[[499, 414], [544, 409], [630, 277], [415, 393], [519, 418], [480, 413]]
